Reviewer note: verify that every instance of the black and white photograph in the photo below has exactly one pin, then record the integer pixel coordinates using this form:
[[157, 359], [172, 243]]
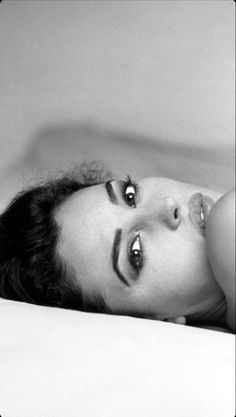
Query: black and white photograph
[[117, 208]]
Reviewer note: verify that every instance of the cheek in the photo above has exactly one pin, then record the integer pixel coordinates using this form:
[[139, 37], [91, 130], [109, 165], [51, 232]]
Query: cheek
[[176, 267]]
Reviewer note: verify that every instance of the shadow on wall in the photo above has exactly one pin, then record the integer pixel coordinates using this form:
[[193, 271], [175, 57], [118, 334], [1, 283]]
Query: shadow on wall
[[59, 147]]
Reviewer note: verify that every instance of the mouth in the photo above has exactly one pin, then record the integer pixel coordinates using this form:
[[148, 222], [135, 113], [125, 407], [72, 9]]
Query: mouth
[[199, 208]]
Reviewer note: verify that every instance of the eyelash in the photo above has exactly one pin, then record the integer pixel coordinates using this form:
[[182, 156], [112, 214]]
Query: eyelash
[[128, 182]]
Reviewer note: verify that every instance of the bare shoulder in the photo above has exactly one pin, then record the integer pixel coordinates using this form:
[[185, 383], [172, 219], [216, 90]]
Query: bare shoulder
[[220, 241]]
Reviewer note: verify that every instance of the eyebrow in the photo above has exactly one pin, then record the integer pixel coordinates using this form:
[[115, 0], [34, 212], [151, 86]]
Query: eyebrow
[[115, 256], [110, 191]]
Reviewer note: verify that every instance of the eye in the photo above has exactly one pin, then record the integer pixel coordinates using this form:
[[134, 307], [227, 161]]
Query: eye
[[136, 254], [130, 192]]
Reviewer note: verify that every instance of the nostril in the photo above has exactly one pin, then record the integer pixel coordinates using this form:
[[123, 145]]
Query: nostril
[[170, 211], [176, 213]]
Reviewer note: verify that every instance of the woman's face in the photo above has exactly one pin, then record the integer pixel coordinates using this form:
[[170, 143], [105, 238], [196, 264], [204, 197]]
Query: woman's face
[[137, 246]]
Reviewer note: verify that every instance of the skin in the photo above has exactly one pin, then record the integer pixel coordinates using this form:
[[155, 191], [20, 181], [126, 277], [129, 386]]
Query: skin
[[220, 243], [176, 280]]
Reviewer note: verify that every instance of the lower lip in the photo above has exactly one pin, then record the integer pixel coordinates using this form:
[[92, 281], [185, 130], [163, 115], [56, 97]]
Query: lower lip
[[199, 208]]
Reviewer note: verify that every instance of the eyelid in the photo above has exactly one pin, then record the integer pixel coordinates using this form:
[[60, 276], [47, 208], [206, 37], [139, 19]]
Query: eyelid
[[131, 183], [135, 241]]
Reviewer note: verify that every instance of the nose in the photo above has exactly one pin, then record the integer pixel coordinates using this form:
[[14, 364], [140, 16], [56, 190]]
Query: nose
[[169, 212]]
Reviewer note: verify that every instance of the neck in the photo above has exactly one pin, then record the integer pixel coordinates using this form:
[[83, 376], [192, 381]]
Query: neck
[[215, 316]]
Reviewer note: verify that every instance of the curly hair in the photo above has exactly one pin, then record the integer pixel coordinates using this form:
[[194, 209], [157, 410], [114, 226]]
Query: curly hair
[[30, 267]]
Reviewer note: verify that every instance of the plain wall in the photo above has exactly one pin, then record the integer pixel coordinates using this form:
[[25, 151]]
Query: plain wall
[[164, 69]]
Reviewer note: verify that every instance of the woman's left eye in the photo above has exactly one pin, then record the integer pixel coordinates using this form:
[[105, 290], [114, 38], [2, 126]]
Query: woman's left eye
[[130, 192], [136, 254]]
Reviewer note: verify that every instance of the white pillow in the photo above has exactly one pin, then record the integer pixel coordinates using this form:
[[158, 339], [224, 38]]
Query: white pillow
[[61, 363]]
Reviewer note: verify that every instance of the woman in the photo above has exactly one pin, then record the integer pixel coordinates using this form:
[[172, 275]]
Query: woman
[[114, 247]]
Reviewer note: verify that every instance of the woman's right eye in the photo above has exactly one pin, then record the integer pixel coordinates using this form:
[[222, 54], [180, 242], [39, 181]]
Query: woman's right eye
[[130, 191]]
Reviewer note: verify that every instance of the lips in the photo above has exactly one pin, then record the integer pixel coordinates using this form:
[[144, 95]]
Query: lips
[[199, 208]]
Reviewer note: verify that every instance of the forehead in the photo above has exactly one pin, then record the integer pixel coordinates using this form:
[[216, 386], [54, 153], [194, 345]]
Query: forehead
[[86, 234], [84, 207]]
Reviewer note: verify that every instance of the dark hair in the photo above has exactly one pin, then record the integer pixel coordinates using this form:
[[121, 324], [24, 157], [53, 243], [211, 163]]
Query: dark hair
[[30, 267]]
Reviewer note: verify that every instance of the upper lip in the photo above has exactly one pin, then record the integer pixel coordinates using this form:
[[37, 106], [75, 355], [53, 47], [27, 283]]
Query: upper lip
[[199, 208]]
